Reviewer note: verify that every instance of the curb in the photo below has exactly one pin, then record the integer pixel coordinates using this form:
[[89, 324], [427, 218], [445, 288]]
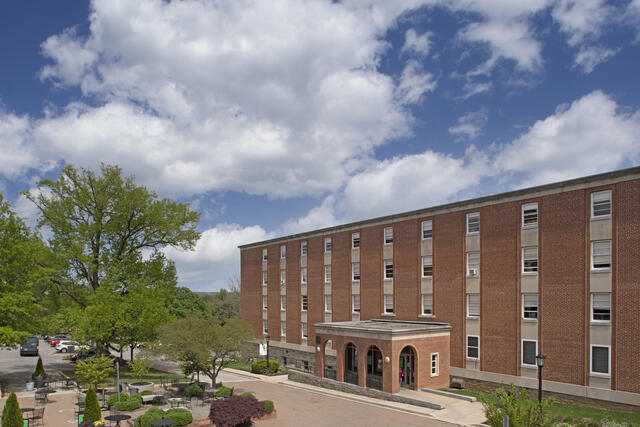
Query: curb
[[451, 395]]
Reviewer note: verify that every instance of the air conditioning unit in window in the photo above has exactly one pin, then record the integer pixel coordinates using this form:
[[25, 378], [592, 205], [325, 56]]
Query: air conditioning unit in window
[[282, 283], [473, 272]]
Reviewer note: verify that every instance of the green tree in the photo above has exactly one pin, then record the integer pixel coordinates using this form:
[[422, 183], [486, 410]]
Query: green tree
[[92, 411], [39, 371], [204, 344], [184, 302], [223, 305], [140, 368], [94, 371], [22, 277], [11, 415], [522, 411]]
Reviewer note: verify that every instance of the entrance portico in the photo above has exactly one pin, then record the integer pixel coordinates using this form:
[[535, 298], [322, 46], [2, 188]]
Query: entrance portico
[[372, 353]]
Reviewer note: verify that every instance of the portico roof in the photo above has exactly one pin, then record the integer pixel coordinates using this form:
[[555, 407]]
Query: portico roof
[[383, 329]]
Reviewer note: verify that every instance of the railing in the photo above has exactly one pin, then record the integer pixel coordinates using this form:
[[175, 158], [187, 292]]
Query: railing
[[374, 381], [351, 377], [330, 373]]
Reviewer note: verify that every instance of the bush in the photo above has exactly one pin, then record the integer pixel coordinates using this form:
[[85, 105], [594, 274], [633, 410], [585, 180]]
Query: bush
[[193, 390], [521, 410], [248, 394], [235, 410], [11, 415], [268, 406], [145, 419], [223, 391], [92, 411], [39, 368], [260, 367], [182, 416], [140, 368], [146, 393], [113, 399], [131, 404]]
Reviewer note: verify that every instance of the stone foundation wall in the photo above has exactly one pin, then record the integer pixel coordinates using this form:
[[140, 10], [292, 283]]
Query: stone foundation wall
[[292, 358]]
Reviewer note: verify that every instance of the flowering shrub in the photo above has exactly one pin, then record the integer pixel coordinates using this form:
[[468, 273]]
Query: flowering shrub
[[235, 410]]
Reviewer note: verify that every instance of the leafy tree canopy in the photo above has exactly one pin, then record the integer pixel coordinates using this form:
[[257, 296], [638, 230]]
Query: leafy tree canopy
[[184, 302]]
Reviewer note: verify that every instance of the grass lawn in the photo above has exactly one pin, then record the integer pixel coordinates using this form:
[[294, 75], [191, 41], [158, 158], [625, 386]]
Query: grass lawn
[[126, 376], [242, 366], [575, 412]]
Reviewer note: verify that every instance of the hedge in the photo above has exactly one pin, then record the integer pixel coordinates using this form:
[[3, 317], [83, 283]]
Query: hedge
[[182, 417], [268, 406], [131, 404], [260, 367]]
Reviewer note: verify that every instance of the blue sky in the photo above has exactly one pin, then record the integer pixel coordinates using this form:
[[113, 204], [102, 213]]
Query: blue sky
[[275, 117]]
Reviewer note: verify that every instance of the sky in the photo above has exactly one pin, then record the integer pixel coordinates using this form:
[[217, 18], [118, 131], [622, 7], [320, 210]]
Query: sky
[[275, 117]]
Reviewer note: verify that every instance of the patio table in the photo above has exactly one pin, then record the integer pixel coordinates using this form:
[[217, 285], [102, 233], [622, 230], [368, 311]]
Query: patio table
[[117, 418]]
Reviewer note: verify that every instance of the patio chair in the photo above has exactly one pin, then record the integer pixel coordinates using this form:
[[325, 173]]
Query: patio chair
[[37, 418], [40, 399]]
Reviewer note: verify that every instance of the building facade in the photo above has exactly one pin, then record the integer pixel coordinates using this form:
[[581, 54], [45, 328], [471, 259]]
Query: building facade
[[553, 269]]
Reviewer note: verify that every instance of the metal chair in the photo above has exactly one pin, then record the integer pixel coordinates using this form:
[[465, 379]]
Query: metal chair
[[37, 418]]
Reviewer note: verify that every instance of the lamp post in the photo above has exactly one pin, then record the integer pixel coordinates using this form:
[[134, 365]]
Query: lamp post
[[540, 362], [267, 338]]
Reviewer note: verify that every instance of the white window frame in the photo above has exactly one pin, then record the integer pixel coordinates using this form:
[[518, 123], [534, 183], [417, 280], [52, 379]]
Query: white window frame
[[304, 300], [353, 271], [283, 328], [529, 206], [524, 259], [303, 275], [264, 254], [593, 267], [303, 248], [388, 309], [422, 313], [355, 297], [537, 306], [435, 370], [469, 315], [283, 277], [265, 302], [467, 347], [610, 204], [355, 237], [327, 245], [472, 215], [384, 271], [522, 353], [265, 326], [608, 347], [425, 264], [469, 264], [327, 277], [592, 307], [283, 251], [426, 226], [283, 303], [387, 236], [264, 278], [328, 307], [304, 326]]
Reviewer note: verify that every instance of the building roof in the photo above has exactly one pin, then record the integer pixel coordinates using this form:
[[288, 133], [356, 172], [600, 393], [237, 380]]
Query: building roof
[[382, 328], [568, 185]]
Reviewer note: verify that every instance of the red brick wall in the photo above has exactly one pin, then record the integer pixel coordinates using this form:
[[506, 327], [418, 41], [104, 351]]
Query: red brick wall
[[626, 300], [341, 276], [371, 272], [406, 261], [562, 260], [251, 286], [448, 278], [315, 284], [499, 300]]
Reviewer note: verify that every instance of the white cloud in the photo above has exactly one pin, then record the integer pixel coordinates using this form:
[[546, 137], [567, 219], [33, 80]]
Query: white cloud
[[582, 19], [418, 44], [17, 153], [414, 83], [320, 216], [588, 57], [470, 125]]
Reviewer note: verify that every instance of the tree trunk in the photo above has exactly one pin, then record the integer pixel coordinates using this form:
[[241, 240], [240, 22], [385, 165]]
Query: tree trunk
[[131, 347]]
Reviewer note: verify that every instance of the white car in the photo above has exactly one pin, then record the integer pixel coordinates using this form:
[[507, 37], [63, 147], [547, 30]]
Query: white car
[[66, 346]]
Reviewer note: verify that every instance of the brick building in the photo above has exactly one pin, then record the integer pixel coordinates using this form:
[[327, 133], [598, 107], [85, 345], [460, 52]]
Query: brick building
[[553, 269]]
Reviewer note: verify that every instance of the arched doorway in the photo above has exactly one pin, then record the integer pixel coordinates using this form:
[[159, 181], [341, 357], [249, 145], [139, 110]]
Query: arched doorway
[[374, 368], [329, 370], [407, 367], [351, 364]]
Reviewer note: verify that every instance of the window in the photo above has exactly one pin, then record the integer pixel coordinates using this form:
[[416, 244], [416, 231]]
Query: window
[[473, 347], [473, 223], [427, 266], [283, 277], [600, 359], [388, 269], [388, 235], [530, 215], [264, 302], [305, 365], [284, 361], [355, 240], [427, 304], [388, 303], [355, 303], [473, 263], [265, 327], [327, 303], [327, 273], [529, 306], [434, 365], [264, 278], [601, 255], [283, 251], [529, 352], [427, 231], [303, 248], [530, 259], [304, 330], [264, 254], [304, 303], [355, 269], [601, 307], [303, 271], [601, 204], [473, 305], [327, 245], [283, 302], [283, 328]]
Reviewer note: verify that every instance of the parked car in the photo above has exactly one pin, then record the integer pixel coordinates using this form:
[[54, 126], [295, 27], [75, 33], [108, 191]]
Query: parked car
[[56, 339], [65, 346], [83, 355], [30, 347]]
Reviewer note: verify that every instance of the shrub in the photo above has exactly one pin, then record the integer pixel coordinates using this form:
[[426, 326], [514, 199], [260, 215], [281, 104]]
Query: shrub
[[248, 394], [113, 399], [131, 404], [182, 416], [39, 368], [268, 406], [193, 390], [145, 419], [222, 391], [92, 411], [521, 410], [235, 410], [11, 415], [260, 367]]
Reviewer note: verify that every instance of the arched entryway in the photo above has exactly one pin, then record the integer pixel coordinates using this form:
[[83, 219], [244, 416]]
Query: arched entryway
[[407, 367], [351, 364], [374, 368], [329, 370]]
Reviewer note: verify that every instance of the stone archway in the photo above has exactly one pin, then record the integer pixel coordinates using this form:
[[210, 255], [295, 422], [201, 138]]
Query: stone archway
[[351, 364], [374, 368]]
